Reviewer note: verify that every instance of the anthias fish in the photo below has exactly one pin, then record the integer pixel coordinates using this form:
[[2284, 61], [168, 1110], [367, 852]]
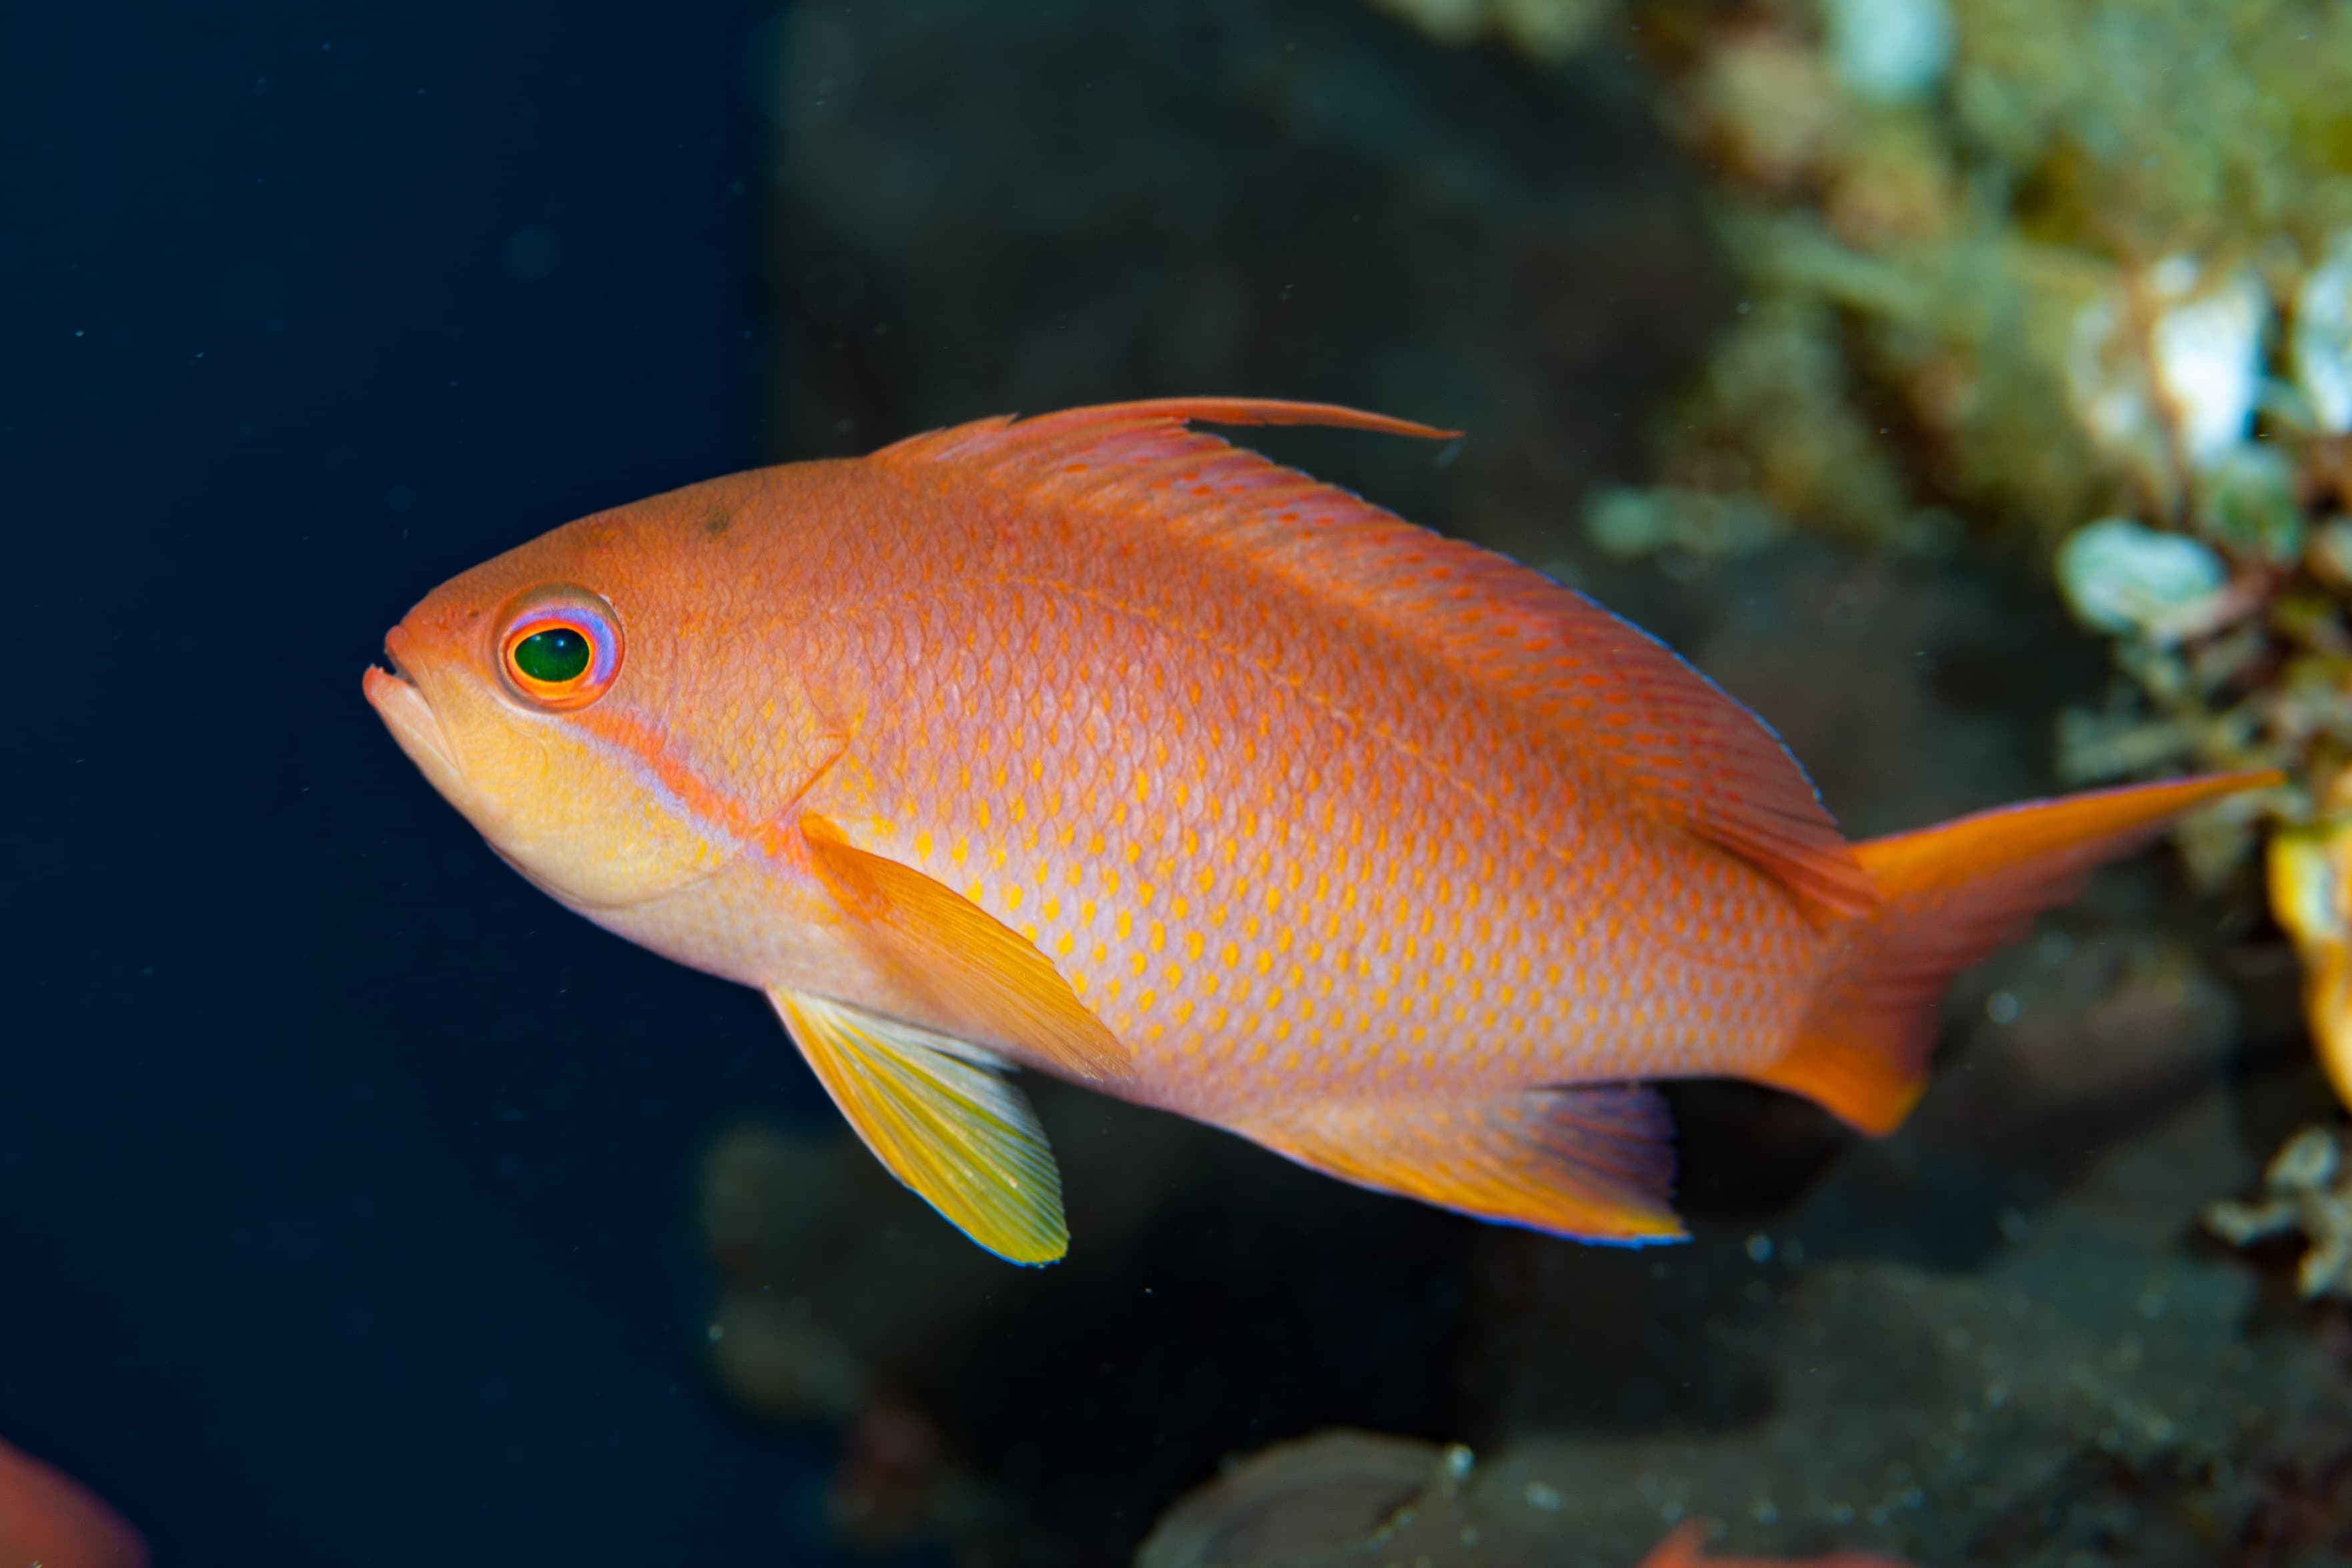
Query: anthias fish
[[49, 1520], [1686, 1548], [1091, 744]]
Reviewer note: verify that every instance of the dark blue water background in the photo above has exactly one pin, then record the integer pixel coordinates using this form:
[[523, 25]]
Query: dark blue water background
[[341, 1225]]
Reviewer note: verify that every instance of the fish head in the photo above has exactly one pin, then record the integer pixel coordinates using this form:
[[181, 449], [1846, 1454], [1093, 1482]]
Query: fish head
[[537, 694]]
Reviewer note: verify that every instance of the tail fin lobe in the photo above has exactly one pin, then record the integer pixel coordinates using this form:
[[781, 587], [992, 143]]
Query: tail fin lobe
[[1951, 895]]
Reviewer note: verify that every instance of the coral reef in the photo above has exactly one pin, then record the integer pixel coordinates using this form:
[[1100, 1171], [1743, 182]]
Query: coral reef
[[2060, 1394], [1340, 1497], [2059, 1404], [1546, 31], [1980, 278], [2307, 1189], [2099, 317]]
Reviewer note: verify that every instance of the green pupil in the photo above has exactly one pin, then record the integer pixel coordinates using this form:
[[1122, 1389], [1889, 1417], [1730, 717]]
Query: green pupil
[[554, 656]]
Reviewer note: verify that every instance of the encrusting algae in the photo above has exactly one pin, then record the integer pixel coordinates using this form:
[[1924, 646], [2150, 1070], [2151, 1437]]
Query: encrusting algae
[[2308, 1188]]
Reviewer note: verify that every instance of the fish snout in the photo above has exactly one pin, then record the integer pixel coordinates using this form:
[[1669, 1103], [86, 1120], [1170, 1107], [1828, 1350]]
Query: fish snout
[[401, 704], [396, 641]]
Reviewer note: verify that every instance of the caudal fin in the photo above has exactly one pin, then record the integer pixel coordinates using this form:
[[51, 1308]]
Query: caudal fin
[[1949, 896]]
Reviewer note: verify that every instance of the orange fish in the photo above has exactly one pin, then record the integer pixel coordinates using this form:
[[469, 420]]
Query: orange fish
[[1685, 1548], [1094, 746], [48, 1520]]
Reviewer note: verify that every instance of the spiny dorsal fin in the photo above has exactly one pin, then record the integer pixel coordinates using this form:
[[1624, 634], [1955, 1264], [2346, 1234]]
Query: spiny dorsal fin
[[1694, 756]]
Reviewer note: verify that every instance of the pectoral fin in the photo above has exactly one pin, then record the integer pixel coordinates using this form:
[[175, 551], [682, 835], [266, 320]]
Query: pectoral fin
[[938, 1114], [971, 966], [1592, 1162]]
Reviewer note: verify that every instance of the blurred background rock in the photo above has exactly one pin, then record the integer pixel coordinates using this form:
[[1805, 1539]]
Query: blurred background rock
[[999, 207]]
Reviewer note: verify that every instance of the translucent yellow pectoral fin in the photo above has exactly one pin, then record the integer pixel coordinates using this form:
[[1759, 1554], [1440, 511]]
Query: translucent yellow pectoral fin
[[942, 1119], [968, 964]]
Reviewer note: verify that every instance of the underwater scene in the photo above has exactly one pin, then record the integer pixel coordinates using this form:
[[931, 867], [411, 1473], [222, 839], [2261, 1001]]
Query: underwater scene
[[1233, 784]]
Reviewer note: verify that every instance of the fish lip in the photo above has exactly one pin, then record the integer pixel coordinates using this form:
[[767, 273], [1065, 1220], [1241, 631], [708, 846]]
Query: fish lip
[[401, 704], [396, 669]]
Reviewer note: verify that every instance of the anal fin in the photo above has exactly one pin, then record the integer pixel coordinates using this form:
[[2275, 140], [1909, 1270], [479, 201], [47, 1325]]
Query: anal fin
[[942, 1117], [1595, 1163]]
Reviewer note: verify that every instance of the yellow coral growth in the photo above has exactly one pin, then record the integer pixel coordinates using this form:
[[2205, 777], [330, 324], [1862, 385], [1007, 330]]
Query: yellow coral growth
[[2311, 894]]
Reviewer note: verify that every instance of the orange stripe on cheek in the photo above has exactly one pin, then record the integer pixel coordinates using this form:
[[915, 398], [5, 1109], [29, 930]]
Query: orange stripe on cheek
[[650, 746]]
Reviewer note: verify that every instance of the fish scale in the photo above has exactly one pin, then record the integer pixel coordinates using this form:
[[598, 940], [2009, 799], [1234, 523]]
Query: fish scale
[[1094, 746], [1357, 860]]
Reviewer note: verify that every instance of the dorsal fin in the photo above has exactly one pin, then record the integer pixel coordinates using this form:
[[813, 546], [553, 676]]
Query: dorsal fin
[[1694, 756]]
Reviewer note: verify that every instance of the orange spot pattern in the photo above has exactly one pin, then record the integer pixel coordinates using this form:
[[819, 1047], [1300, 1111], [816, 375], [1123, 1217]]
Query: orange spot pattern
[[1268, 847]]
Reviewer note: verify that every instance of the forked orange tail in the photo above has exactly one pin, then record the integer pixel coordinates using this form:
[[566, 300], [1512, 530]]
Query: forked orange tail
[[1951, 895]]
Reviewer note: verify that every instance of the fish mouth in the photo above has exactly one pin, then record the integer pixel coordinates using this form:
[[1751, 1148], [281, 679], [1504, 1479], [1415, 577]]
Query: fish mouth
[[400, 703]]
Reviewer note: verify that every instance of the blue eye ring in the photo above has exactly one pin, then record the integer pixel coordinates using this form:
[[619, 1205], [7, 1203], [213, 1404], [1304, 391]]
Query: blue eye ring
[[559, 647]]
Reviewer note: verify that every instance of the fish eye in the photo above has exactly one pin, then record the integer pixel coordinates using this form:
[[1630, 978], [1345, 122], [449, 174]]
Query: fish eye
[[559, 647], [555, 655]]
